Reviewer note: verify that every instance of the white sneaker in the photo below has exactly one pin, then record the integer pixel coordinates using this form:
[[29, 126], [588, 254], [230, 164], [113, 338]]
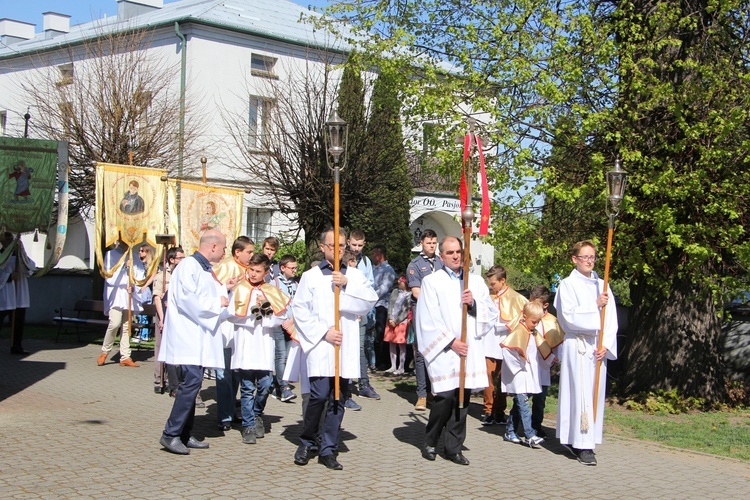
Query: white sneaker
[[392, 369], [535, 442]]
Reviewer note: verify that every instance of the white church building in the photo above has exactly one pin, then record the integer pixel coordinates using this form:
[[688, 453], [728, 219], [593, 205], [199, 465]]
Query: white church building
[[227, 50]]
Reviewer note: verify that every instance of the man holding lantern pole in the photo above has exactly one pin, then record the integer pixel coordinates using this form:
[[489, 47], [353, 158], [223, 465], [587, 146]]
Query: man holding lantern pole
[[314, 313], [579, 302]]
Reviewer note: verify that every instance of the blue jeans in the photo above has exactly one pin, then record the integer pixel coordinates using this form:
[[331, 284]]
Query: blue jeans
[[370, 347], [227, 383], [520, 411], [364, 378], [255, 386], [282, 343]]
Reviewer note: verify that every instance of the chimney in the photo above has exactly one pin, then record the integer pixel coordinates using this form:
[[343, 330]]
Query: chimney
[[12, 31], [55, 24], [132, 8]]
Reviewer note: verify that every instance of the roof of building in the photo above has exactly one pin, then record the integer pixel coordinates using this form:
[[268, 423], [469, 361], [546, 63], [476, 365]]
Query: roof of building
[[277, 19]]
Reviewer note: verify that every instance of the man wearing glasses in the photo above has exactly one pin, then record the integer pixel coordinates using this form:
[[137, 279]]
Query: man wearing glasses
[[579, 300], [314, 319], [161, 285]]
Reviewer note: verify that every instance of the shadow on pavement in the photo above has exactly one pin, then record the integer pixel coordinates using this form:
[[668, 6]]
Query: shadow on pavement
[[17, 374]]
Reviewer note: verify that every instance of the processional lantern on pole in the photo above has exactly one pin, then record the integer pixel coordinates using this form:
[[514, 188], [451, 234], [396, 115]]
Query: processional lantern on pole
[[337, 139], [617, 179]]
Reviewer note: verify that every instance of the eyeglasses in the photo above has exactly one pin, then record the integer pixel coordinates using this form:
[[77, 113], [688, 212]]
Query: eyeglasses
[[586, 258], [292, 268]]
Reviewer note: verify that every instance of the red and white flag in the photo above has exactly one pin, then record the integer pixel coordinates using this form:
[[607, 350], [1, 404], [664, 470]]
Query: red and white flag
[[464, 195]]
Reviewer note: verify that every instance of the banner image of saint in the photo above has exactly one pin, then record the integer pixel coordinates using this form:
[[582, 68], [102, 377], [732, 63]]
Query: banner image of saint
[[130, 206], [28, 171], [130, 203], [205, 207]]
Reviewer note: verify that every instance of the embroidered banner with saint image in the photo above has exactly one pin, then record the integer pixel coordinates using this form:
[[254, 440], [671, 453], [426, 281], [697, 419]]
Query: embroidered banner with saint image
[[28, 170], [130, 205], [205, 207]]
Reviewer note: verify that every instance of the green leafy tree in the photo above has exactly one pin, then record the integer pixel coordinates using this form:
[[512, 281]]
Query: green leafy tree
[[386, 215], [683, 118], [569, 86]]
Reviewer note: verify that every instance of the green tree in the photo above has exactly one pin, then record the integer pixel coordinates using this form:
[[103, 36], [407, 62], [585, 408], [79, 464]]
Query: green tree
[[385, 218], [375, 187], [570, 86], [684, 119]]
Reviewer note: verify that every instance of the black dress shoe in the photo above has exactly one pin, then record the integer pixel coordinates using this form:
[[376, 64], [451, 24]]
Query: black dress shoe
[[19, 352], [225, 426], [194, 443], [458, 459], [330, 462], [302, 455], [429, 453], [174, 445], [158, 390]]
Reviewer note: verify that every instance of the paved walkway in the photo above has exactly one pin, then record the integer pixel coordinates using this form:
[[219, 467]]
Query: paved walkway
[[69, 428]]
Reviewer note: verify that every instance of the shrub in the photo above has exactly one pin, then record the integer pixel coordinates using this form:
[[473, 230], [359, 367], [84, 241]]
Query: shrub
[[663, 401]]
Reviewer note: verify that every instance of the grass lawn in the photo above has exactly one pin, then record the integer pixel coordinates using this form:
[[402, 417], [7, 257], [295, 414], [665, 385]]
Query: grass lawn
[[725, 433]]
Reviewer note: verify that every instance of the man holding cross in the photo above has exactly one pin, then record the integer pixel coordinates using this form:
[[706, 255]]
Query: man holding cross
[[439, 318]]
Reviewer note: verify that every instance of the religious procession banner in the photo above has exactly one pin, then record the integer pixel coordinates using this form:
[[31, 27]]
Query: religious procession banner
[[28, 175], [204, 207], [130, 205], [61, 229]]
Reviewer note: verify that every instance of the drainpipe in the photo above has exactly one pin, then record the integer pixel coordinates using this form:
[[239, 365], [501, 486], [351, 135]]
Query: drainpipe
[[181, 133]]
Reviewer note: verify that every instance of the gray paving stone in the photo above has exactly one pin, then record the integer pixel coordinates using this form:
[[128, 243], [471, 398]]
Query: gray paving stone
[[69, 428]]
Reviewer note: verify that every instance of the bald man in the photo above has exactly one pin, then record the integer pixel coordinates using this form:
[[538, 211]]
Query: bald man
[[196, 306]]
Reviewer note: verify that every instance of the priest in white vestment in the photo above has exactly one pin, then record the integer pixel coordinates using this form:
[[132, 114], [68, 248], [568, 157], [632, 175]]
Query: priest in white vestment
[[197, 304], [579, 300], [438, 327], [313, 312]]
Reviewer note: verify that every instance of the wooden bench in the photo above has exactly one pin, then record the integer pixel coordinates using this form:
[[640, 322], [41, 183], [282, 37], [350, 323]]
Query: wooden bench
[[91, 312], [84, 312]]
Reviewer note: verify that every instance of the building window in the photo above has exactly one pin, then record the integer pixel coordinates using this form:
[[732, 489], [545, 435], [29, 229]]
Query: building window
[[66, 74], [262, 66], [259, 121], [3, 122], [258, 224], [142, 102], [66, 115]]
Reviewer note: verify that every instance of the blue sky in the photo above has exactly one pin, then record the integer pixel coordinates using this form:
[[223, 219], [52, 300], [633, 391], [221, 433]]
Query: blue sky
[[81, 11]]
